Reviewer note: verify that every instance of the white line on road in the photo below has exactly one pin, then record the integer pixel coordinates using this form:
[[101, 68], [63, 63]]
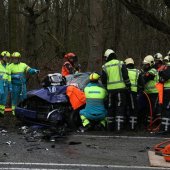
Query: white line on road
[[124, 137], [76, 165]]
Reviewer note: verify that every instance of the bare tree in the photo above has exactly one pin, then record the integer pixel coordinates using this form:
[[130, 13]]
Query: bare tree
[[13, 8], [145, 16], [95, 34]]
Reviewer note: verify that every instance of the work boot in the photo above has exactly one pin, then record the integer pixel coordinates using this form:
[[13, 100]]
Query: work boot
[[83, 129], [100, 127]]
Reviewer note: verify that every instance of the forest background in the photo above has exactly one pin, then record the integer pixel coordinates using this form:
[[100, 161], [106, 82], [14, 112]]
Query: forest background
[[43, 30]]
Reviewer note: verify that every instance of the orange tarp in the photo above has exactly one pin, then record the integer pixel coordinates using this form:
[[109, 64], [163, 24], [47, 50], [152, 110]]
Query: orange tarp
[[76, 96]]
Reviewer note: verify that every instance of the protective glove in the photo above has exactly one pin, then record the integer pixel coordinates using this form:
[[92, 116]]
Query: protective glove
[[33, 71], [37, 71]]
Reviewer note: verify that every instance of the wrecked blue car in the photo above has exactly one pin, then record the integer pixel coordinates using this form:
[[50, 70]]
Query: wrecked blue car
[[50, 104]]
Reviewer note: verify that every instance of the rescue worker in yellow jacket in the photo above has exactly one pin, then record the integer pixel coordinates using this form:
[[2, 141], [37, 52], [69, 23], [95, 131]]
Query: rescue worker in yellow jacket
[[95, 109], [18, 79], [132, 109], [150, 79], [164, 78], [115, 78], [5, 81]]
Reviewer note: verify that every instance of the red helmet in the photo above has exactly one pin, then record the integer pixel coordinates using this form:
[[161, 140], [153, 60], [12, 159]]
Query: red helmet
[[69, 55]]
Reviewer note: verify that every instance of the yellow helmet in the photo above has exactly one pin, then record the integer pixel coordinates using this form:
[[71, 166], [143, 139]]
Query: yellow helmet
[[94, 76], [5, 54], [16, 55]]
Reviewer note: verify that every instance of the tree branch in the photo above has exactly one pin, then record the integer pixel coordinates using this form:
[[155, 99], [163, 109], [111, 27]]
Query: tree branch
[[146, 17]]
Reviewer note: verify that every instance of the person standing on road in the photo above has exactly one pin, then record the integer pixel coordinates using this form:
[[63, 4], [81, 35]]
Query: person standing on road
[[18, 70], [5, 81], [94, 110], [150, 79], [133, 74], [115, 78]]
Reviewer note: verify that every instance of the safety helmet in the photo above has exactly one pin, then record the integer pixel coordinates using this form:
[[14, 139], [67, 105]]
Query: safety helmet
[[94, 76], [168, 53], [166, 58], [5, 54], [129, 61], [108, 52], [69, 55], [16, 55], [148, 60], [158, 56]]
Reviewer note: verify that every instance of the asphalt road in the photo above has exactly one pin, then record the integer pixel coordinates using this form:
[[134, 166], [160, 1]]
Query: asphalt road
[[92, 150]]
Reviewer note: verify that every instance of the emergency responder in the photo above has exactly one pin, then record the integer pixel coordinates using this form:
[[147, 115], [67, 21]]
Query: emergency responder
[[5, 81], [94, 110], [18, 70], [69, 66], [166, 59], [133, 74], [115, 78], [150, 79], [165, 80], [158, 59]]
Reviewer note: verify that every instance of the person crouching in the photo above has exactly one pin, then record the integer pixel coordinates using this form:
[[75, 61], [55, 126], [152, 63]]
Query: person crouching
[[95, 110]]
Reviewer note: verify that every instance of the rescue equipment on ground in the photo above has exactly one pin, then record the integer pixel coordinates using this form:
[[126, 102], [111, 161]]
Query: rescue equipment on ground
[[163, 149]]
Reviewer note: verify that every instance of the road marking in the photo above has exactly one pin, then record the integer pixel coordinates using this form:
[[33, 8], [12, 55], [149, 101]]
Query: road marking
[[76, 165], [36, 169], [123, 137]]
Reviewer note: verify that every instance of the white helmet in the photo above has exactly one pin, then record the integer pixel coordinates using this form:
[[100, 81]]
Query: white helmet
[[168, 53], [158, 56], [166, 58], [129, 61], [108, 52], [148, 60]]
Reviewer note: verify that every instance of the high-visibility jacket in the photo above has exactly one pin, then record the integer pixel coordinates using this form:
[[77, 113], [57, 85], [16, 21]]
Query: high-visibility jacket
[[150, 86], [18, 72], [114, 74], [5, 77], [65, 71], [167, 83], [133, 76], [76, 97], [95, 95]]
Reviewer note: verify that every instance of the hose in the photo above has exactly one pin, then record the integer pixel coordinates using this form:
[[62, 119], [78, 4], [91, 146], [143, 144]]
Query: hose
[[150, 108]]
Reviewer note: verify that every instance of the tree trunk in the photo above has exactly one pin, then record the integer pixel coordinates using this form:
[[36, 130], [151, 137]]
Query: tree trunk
[[95, 35], [13, 25]]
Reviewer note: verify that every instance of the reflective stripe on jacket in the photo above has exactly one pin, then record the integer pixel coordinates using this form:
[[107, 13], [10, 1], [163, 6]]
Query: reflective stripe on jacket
[[65, 71], [133, 76], [18, 72], [114, 74], [150, 86], [95, 95]]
